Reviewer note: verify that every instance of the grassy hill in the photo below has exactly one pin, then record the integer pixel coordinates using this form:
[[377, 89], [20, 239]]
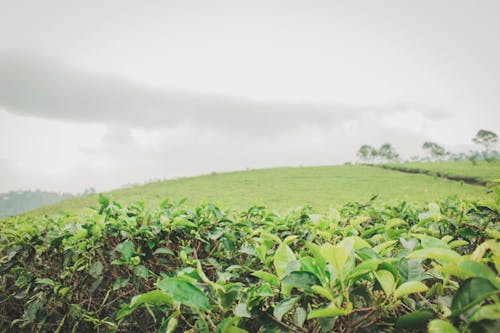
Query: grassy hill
[[282, 189], [482, 170]]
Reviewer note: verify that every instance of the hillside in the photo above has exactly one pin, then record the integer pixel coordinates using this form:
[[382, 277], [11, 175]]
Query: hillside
[[480, 171], [282, 189]]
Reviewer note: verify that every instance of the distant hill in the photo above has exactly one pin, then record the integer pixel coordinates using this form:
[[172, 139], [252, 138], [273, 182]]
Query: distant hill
[[17, 202]]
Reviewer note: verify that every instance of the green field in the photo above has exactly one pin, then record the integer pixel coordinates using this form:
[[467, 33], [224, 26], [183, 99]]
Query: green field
[[482, 170], [283, 189]]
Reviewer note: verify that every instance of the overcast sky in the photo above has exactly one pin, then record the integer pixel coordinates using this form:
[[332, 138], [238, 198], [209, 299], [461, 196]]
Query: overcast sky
[[106, 93]]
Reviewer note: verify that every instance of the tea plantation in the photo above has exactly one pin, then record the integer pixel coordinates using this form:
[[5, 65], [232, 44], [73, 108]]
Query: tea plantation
[[407, 260], [284, 189], [362, 268]]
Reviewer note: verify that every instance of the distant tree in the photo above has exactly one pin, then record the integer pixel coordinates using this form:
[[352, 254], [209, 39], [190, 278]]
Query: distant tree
[[388, 152], [459, 157], [88, 191], [434, 150], [485, 138], [367, 153]]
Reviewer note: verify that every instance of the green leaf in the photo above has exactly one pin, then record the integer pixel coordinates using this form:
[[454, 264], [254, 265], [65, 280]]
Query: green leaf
[[228, 294], [268, 277], [155, 297], [320, 260], [384, 246], [365, 267], [335, 256], [301, 279], [181, 222], [96, 269], [410, 287], [414, 320], [283, 256], [235, 329], [411, 269], [241, 310], [48, 282], [309, 264], [353, 242], [386, 280], [441, 326], [172, 324], [164, 250], [477, 269], [119, 283], [226, 324], [437, 254], [471, 292], [284, 306], [126, 249], [299, 317], [395, 222], [330, 311], [185, 293], [326, 293], [486, 312], [429, 242], [141, 271]]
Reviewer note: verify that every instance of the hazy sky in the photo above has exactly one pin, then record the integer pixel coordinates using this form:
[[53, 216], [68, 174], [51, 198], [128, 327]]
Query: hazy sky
[[105, 93]]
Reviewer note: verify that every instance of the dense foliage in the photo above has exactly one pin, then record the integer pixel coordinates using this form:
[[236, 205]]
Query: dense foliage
[[362, 268]]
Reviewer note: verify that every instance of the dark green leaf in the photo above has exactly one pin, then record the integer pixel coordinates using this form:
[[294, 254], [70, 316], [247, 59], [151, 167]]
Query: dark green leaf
[[301, 279], [164, 250], [96, 269], [471, 292], [126, 249], [414, 320]]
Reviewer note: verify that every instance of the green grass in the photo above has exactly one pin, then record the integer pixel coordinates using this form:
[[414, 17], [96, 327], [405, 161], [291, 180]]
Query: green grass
[[283, 189], [483, 170]]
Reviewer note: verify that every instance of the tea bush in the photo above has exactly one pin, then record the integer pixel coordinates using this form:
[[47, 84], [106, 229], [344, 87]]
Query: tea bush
[[362, 268]]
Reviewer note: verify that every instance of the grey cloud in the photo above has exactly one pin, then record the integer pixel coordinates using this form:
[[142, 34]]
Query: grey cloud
[[41, 87]]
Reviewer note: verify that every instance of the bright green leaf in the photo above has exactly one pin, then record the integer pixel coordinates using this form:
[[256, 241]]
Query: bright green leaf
[[441, 326], [335, 256], [268, 277], [486, 312], [326, 293], [185, 293], [437, 254], [330, 311], [283, 256], [410, 287], [386, 280]]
